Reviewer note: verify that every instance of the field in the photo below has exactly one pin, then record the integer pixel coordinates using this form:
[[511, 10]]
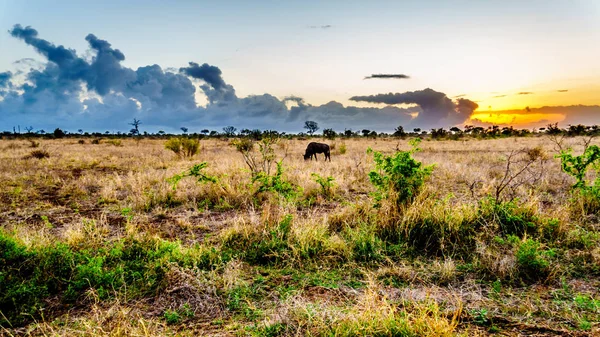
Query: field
[[100, 240]]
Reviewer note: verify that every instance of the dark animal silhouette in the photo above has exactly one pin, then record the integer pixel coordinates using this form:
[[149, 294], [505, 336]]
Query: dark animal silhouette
[[313, 148]]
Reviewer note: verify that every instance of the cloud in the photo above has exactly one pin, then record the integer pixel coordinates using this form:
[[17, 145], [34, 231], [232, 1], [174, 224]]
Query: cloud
[[437, 110], [562, 90], [387, 76], [321, 27], [5, 79], [499, 96], [525, 93]]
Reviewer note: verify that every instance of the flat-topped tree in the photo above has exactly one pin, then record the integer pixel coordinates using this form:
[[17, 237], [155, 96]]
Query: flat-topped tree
[[311, 127]]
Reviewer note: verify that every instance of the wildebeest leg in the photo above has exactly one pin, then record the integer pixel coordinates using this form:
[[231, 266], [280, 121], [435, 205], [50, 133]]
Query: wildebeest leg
[[328, 155], [316, 157]]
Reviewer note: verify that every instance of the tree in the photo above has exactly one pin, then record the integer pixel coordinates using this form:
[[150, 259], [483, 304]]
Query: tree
[[229, 131], [455, 129], [417, 130], [366, 132], [311, 126], [136, 124], [184, 129], [348, 133], [58, 133], [399, 132], [329, 133], [29, 129], [80, 131], [204, 132]]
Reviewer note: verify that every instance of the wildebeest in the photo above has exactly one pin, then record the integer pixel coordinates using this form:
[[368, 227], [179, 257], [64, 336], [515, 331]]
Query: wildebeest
[[313, 148]]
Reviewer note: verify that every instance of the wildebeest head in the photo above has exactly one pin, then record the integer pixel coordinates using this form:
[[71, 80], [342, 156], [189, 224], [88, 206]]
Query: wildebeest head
[[306, 156]]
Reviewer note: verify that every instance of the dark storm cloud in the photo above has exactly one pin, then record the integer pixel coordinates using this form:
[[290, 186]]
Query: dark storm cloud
[[562, 90], [5, 79], [387, 76], [525, 93], [215, 88], [437, 108]]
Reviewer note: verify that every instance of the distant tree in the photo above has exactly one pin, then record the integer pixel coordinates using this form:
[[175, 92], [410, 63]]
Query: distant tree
[[184, 129], [438, 133], [329, 133], [107, 133], [58, 133], [311, 126], [455, 129], [161, 132], [136, 127], [213, 133], [245, 132], [553, 129], [576, 130], [399, 132], [348, 133], [229, 131], [417, 130], [256, 134], [29, 129], [366, 132], [41, 132], [373, 134], [80, 131], [205, 132]]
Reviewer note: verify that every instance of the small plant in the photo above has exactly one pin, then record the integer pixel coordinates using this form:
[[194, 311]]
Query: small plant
[[183, 147], [577, 166], [38, 154], [196, 172], [400, 176], [256, 164], [96, 141], [81, 141], [275, 183], [533, 261], [172, 317], [480, 317], [33, 143], [326, 184], [342, 149]]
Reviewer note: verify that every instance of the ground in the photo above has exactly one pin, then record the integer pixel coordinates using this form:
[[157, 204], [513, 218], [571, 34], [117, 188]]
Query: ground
[[98, 240]]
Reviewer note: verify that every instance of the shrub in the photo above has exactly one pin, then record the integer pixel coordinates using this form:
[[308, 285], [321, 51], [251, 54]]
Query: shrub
[[38, 154], [81, 141], [342, 149], [196, 172], [183, 147], [325, 183], [400, 176], [533, 261], [510, 218], [33, 143], [275, 183]]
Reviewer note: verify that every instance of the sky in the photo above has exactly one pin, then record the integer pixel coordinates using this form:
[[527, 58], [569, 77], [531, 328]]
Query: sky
[[275, 64]]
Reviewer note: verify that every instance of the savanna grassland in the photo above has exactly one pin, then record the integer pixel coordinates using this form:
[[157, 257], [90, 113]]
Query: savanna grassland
[[462, 237]]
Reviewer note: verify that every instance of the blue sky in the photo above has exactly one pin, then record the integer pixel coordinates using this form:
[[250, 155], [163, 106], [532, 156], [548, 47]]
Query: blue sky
[[482, 49]]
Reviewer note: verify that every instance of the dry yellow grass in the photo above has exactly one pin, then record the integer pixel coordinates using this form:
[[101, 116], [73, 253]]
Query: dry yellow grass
[[92, 194]]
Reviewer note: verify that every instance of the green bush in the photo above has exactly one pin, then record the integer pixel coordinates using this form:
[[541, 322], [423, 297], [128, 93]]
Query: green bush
[[326, 184], [399, 176], [275, 183], [510, 218], [183, 147], [196, 172], [533, 261], [30, 276]]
